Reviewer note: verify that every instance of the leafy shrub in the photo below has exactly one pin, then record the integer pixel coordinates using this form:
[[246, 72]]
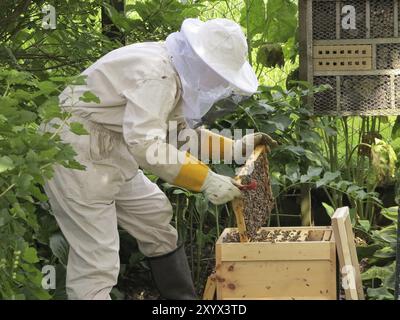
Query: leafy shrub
[[26, 159]]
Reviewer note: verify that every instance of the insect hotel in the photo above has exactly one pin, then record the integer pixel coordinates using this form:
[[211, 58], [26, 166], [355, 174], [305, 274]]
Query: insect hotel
[[354, 47]]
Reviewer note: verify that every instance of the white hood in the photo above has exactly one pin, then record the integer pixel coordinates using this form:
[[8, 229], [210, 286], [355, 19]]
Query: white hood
[[201, 85]]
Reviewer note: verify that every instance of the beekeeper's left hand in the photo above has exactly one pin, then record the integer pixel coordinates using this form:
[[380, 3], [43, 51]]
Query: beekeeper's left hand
[[258, 138], [219, 189]]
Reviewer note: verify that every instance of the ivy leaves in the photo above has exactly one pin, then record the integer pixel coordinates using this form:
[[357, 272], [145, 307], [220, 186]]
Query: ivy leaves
[[27, 155]]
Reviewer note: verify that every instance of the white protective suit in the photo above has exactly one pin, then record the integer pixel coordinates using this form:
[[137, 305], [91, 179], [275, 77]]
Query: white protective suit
[[139, 91]]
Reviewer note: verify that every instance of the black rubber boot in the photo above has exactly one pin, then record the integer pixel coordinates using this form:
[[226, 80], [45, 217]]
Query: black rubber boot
[[171, 273]]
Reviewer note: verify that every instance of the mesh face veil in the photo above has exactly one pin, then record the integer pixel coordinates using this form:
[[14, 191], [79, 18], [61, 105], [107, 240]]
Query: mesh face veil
[[201, 85]]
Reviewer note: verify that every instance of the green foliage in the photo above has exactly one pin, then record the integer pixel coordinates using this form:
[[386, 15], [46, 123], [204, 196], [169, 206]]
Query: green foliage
[[27, 155], [281, 24], [329, 210], [77, 40], [300, 158], [153, 20], [252, 16], [381, 253], [270, 55], [383, 162]]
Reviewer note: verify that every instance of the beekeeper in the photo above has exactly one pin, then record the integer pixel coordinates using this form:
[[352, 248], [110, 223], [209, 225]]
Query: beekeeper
[[141, 88]]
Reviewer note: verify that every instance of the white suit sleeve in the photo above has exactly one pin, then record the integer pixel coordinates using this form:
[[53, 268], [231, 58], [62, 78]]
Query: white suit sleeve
[[145, 131]]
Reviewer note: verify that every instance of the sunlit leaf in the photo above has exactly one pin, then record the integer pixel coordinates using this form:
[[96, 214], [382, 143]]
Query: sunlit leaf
[[6, 163]]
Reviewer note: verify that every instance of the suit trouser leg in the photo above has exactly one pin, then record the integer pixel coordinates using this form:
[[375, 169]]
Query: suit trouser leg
[[91, 231], [83, 203], [145, 212]]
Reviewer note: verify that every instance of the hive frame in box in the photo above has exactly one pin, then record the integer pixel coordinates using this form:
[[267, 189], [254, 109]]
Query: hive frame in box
[[257, 255], [237, 203], [281, 270], [365, 81]]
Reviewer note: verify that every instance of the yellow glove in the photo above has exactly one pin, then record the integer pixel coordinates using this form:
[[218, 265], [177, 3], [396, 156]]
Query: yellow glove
[[196, 176], [192, 174], [215, 143]]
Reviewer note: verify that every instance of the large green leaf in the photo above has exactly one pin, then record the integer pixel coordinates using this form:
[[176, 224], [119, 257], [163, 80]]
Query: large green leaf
[[4, 217], [385, 253], [367, 251], [118, 19], [388, 234], [281, 20], [30, 255], [365, 225], [381, 293], [201, 205], [252, 16], [376, 273], [314, 171], [328, 177], [310, 136], [390, 213], [329, 210], [6, 163], [89, 97], [292, 171], [280, 121], [78, 128], [50, 109]]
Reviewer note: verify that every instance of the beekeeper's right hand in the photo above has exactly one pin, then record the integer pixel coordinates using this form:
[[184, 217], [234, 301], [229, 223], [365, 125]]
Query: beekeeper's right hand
[[219, 189]]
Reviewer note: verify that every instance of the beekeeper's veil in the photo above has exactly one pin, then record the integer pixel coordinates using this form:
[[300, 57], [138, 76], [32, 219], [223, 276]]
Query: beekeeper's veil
[[211, 60]]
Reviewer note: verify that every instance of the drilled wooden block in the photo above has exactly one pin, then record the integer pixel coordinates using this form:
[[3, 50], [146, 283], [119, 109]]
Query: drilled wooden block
[[344, 64], [342, 51]]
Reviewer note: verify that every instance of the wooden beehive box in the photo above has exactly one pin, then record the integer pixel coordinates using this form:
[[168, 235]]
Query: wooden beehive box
[[353, 46], [304, 269]]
